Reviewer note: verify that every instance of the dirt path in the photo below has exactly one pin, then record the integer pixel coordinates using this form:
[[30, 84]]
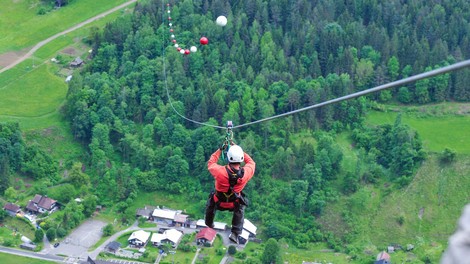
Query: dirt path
[[14, 62]]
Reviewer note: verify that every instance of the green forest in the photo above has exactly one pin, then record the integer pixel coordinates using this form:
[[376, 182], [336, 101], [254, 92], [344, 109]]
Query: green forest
[[272, 57]]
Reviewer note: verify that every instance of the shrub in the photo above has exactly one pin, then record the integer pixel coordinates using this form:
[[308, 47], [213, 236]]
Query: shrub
[[108, 230], [232, 250], [448, 155], [240, 255], [401, 220], [61, 232], [9, 242]]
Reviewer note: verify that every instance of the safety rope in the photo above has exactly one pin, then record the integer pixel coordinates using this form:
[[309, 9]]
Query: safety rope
[[166, 82]]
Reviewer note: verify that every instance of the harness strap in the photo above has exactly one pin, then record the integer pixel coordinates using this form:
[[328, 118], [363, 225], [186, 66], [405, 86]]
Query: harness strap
[[229, 200]]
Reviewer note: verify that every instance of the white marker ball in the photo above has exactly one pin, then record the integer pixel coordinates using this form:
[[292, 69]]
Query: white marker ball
[[172, 36], [182, 51], [170, 24], [193, 49], [176, 45], [221, 21]]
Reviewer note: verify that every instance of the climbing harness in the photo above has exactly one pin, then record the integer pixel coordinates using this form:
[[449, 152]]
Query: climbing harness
[[230, 200]]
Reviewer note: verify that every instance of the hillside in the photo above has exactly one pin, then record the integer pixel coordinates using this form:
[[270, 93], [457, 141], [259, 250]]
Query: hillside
[[425, 212]]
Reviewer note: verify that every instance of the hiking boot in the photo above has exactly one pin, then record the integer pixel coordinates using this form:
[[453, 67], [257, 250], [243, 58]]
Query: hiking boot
[[233, 237]]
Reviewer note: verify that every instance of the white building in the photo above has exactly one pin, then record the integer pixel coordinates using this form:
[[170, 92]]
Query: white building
[[250, 227], [217, 225], [164, 215], [139, 238], [171, 236]]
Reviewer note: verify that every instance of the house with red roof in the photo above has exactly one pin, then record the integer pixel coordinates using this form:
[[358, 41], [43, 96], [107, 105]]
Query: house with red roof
[[206, 235]]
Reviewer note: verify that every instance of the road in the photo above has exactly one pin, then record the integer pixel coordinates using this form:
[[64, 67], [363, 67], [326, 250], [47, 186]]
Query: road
[[79, 25]]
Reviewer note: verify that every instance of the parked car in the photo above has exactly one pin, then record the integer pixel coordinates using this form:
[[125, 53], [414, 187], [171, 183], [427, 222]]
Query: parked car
[[56, 244]]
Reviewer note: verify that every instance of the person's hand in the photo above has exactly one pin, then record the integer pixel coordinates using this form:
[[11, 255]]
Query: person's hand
[[223, 147]]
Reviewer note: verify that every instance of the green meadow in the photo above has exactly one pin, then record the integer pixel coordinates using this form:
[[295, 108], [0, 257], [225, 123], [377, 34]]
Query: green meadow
[[35, 94], [34, 90], [437, 131], [22, 27]]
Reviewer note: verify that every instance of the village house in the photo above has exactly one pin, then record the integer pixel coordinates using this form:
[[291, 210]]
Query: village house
[[170, 236], [113, 247], [12, 209], [243, 237], [250, 228], [206, 236], [217, 225], [139, 238], [28, 246], [166, 216], [41, 204], [181, 220], [77, 62], [145, 212]]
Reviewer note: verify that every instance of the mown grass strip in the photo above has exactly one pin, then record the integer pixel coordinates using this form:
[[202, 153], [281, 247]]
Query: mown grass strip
[[8, 258]]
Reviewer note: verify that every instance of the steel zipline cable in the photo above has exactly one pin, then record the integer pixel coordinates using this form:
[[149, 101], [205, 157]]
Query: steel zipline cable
[[446, 69], [414, 78]]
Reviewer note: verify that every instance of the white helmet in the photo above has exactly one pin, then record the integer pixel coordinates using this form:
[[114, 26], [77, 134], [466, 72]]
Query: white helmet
[[235, 154]]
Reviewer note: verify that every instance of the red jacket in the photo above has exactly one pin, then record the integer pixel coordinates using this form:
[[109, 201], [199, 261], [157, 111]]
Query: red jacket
[[219, 173]]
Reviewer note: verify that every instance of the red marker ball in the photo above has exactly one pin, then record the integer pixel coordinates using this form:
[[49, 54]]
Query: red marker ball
[[174, 41], [186, 51], [204, 41], [178, 49]]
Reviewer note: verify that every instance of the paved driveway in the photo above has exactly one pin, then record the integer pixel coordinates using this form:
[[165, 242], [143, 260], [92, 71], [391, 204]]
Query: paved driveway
[[79, 241]]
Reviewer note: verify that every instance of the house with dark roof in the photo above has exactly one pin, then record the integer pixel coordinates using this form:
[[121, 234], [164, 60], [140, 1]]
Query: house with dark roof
[[145, 212], [206, 236], [113, 247], [41, 204], [77, 62], [28, 246], [12, 209]]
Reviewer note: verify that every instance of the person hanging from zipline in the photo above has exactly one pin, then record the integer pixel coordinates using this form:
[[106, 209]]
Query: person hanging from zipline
[[229, 183]]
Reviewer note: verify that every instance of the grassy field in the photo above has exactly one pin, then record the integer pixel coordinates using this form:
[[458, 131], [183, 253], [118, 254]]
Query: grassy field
[[437, 132], [8, 258], [22, 27], [23, 228], [34, 95]]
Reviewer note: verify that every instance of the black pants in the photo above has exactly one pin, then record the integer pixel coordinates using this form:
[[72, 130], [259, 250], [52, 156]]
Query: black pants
[[237, 218]]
